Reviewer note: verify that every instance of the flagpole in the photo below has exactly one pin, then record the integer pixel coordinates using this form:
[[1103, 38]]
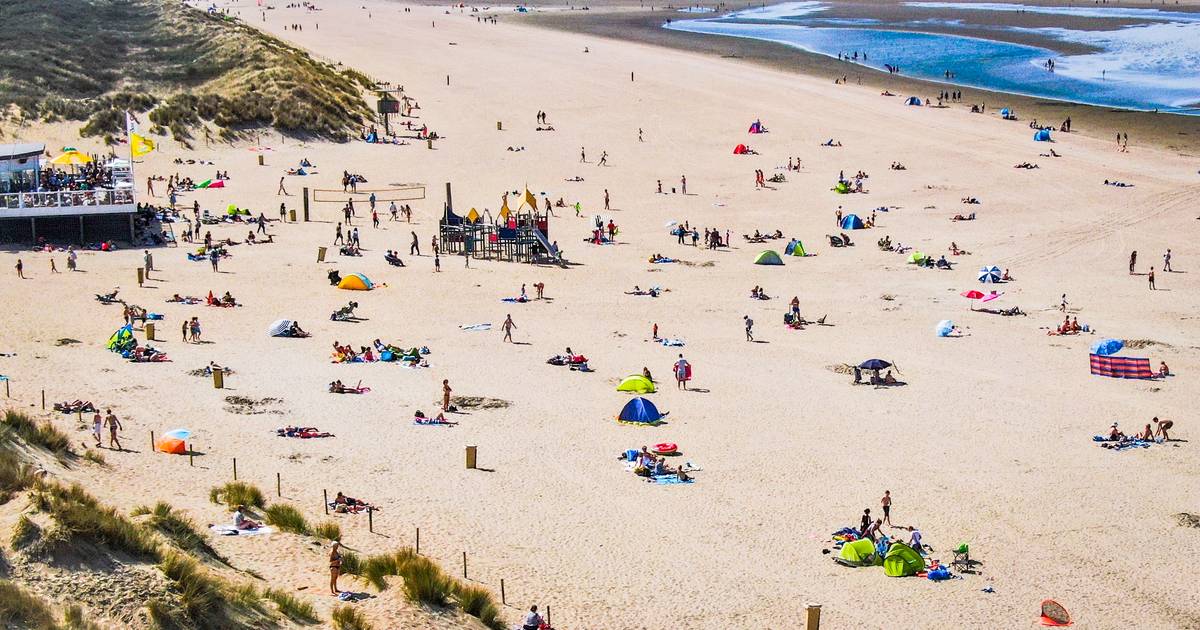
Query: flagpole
[[129, 145]]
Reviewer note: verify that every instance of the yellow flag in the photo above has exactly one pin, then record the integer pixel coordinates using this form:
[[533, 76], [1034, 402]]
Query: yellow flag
[[530, 199], [140, 145]]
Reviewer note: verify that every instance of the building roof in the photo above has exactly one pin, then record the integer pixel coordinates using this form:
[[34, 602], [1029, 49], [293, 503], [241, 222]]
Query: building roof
[[17, 151]]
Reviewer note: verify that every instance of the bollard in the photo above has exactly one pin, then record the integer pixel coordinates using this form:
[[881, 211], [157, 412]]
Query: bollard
[[235, 469], [447, 79], [503, 598], [630, 79], [278, 486], [464, 565], [813, 622], [148, 327], [471, 453], [429, 143], [260, 160], [499, 126], [326, 503], [219, 379], [321, 254], [292, 215], [371, 520], [141, 276]]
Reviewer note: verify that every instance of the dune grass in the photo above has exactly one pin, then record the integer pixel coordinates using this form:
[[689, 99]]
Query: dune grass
[[176, 527], [81, 516], [329, 530], [478, 602], [196, 68], [40, 434], [24, 609], [73, 619], [235, 493], [286, 517], [292, 607], [24, 532], [15, 474], [201, 595], [348, 618]]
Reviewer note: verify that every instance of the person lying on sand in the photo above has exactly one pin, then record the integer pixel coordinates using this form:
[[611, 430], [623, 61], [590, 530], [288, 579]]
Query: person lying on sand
[[970, 200], [1026, 165], [344, 504]]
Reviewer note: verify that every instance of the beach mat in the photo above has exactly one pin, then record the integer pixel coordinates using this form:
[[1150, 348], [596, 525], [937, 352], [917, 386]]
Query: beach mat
[[230, 530]]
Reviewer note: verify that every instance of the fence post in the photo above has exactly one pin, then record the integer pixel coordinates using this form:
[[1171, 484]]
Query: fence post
[[418, 541], [464, 565], [191, 457], [306, 204], [371, 520], [6, 392], [152, 446], [43, 399], [503, 598], [813, 621], [326, 502], [278, 486], [548, 615], [235, 469]]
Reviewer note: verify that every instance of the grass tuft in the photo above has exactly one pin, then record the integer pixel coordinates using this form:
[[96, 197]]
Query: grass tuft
[[292, 607], [24, 532], [478, 602], [347, 618], [80, 515], [287, 518], [329, 530], [24, 609], [40, 434], [178, 528], [237, 493]]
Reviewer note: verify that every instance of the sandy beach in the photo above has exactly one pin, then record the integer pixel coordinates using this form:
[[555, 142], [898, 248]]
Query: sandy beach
[[989, 442]]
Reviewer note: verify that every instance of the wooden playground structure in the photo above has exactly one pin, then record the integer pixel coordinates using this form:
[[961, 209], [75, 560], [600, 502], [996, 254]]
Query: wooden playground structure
[[520, 236]]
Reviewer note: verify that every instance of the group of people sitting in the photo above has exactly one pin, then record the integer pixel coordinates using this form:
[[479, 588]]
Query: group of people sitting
[[343, 504], [875, 378], [393, 259], [637, 290], [1070, 326], [1117, 184], [839, 241], [896, 166], [79, 406], [959, 217], [647, 464], [577, 362], [420, 418], [759, 237], [226, 301], [758, 293], [350, 249], [1148, 434], [1026, 165]]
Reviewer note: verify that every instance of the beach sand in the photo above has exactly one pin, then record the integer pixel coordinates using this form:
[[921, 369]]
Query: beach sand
[[989, 443]]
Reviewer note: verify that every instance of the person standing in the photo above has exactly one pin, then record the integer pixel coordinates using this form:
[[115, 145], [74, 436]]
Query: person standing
[[113, 425], [335, 567], [682, 368], [582, 154], [1063, 305], [20, 269], [864, 522], [97, 424], [194, 325], [282, 211], [508, 327], [606, 207], [150, 186], [185, 329], [215, 258], [1132, 261], [354, 237], [393, 212], [437, 262], [886, 502], [1151, 278], [749, 327], [374, 219], [1167, 261], [72, 258], [415, 247], [147, 262], [683, 184], [446, 394]]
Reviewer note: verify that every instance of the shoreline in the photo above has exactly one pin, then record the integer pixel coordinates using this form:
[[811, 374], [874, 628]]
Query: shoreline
[[1174, 132]]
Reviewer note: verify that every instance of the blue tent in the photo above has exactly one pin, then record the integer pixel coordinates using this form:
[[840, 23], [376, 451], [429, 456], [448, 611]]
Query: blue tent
[[912, 100], [1042, 135], [1105, 347], [1005, 113], [852, 222], [640, 411]]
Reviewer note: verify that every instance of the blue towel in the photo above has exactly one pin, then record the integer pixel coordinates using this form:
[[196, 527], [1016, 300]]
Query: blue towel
[[668, 480]]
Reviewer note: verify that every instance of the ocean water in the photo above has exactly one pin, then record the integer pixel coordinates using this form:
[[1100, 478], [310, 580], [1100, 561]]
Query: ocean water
[[1155, 65]]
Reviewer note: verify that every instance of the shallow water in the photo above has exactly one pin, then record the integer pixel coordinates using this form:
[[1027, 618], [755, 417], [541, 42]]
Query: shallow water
[[1154, 65]]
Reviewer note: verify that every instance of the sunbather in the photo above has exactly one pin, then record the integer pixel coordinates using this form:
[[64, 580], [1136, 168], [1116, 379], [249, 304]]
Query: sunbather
[[241, 522]]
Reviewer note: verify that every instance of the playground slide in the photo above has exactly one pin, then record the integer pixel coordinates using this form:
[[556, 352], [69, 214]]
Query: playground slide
[[541, 238]]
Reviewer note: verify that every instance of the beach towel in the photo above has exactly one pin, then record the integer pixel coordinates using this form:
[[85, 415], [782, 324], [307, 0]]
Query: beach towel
[[432, 422], [1120, 367], [515, 300], [475, 327], [1122, 445], [671, 342], [230, 530], [668, 480]]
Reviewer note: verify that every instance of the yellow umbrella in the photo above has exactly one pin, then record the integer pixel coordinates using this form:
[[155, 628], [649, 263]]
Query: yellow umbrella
[[71, 157]]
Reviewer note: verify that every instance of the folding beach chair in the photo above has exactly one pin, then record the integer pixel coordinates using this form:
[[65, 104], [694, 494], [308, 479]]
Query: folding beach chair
[[962, 558]]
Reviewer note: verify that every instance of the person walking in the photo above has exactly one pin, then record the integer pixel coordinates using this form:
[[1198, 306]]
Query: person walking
[[1151, 278], [508, 327], [354, 237], [393, 212], [1063, 305], [682, 371], [374, 219], [195, 329], [97, 424], [582, 154], [185, 329], [603, 158], [415, 248], [147, 262], [53, 267], [683, 184], [282, 191], [262, 223], [1167, 261], [338, 238], [886, 502], [1132, 261], [749, 327], [113, 425]]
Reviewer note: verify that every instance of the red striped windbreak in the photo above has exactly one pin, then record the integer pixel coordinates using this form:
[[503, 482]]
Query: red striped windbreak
[[1121, 367]]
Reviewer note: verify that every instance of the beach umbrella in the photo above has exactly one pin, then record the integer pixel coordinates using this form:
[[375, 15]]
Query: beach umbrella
[[178, 434], [279, 328], [972, 294], [71, 157], [989, 274], [874, 364], [944, 327], [1105, 347], [991, 296]]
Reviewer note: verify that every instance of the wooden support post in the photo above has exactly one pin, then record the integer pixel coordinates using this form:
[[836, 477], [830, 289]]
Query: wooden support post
[[813, 620], [191, 457], [152, 446], [7, 394], [371, 520], [418, 549], [43, 399], [306, 204], [447, 79], [547, 614], [503, 597], [235, 469], [464, 565], [278, 485], [326, 502]]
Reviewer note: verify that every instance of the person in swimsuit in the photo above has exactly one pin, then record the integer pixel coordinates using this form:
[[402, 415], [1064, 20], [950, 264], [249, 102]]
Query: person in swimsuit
[[335, 567], [97, 423], [446, 394], [1162, 427], [113, 425], [886, 502]]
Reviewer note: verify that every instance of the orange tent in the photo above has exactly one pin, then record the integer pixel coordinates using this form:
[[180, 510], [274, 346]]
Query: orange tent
[[174, 447], [739, 149]]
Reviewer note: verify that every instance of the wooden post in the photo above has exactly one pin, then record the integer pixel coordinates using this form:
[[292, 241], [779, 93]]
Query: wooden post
[[235, 469], [631, 76], [418, 541], [813, 621], [141, 276], [503, 597], [306, 204], [471, 457], [191, 457], [260, 159], [278, 486], [447, 79], [43, 399], [464, 565], [152, 446], [6, 392], [547, 614], [371, 520], [326, 502]]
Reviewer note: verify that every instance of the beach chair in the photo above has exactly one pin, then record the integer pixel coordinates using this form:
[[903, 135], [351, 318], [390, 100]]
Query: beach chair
[[962, 558]]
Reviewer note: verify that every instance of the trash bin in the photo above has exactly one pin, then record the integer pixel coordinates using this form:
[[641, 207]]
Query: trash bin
[[260, 160], [141, 276], [219, 379], [292, 216], [149, 328], [321, 254], [471, 452]]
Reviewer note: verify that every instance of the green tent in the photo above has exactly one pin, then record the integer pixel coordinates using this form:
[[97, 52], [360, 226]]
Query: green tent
[[917, 258], [858, 553], [842, 188], [637, 384], [902, 561], [768, 257]]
